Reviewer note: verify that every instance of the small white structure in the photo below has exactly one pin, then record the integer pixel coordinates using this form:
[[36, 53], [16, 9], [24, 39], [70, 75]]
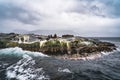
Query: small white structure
[[86, 42], [42, 43], [19, 41], [26, 38], [23, 39]]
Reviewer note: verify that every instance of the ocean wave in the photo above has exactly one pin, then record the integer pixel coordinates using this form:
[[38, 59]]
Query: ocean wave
[[98, 55], [24, 70], [64, 70], [107, 53], [19, 52], [101, 54], [118, 49]]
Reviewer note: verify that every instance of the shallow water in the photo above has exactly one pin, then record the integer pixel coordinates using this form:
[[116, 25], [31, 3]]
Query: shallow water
[[16, 64]]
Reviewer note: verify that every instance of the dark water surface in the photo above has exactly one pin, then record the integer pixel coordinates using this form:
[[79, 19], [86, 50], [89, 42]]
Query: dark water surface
[[16, 64]]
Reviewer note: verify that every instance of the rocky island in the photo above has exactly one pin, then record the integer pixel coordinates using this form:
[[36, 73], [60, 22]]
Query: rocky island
[[66, 47]]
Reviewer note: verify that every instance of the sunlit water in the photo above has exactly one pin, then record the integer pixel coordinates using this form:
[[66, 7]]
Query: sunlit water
[[16, 64]]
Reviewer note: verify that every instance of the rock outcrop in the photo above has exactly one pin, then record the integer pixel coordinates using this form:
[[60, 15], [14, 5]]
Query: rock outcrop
[[63, 46]]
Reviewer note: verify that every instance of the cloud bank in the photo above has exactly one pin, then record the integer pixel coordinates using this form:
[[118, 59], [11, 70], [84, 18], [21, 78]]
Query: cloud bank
[[85, 17]]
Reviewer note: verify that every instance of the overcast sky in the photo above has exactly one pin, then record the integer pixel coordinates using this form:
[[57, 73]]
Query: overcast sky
[[85, 17]]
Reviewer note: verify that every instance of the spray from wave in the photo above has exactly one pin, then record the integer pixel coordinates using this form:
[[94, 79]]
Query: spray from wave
[[19, 52], [25, 70]]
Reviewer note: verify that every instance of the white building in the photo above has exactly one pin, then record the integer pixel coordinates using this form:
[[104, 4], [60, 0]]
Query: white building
[[23, 39]]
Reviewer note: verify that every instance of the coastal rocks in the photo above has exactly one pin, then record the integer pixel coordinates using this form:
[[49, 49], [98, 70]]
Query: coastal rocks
[[105, 44], [54, 47], [81, 50], [54, 50], [99, 47], [68, 45]]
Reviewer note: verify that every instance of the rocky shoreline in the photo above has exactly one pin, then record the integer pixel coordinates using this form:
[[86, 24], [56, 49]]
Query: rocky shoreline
[[66, 47], [79, 52], [75, 53]]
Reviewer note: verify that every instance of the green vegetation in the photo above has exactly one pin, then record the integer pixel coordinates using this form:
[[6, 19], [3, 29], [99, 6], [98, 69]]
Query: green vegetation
[[12, 44], [63, 44], [75, 43], [3, 43], [54, 43], [32, 47]]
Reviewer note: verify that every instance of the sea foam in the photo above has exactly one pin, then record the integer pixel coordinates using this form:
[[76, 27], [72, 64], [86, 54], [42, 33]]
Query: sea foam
[[24, 70], [19, 52], [64, 70]]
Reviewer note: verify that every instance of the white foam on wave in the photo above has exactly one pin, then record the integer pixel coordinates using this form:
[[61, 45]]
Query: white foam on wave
[[118, 46], [25, 70], [118, 49], [96, 56], [64, 70], [107, 53], [99, 55], [11, 51], [19, 52]]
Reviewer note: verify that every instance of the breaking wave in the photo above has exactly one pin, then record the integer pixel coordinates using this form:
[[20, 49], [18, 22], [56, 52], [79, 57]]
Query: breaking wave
[[25, 70], [64, 70], [19, 52]]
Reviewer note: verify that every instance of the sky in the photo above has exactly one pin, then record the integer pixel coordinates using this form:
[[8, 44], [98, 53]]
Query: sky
[[85, 17]]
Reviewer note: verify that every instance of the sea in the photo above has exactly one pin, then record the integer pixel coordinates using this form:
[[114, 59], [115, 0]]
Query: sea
[[17, 64]]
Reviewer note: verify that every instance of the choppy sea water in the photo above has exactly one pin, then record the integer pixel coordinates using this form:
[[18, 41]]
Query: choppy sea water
[[16, 64]]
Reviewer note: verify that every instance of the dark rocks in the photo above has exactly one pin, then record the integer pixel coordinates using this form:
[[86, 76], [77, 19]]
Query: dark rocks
[[105, 44], [68, 45], [54, 50], [83, 51], [67, 36]]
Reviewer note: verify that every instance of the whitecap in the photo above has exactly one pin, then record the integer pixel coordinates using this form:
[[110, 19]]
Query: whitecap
[[11, 74], [94, 56], [118, 49], [11, 51], [107, 53], [24, 70], [19, 52], [98, 55], [64, 70]]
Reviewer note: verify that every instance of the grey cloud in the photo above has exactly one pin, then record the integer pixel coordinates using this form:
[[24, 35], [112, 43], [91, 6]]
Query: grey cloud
[[8, 11], [113, 7], [110, 8], [87, 7], [52, 18]]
